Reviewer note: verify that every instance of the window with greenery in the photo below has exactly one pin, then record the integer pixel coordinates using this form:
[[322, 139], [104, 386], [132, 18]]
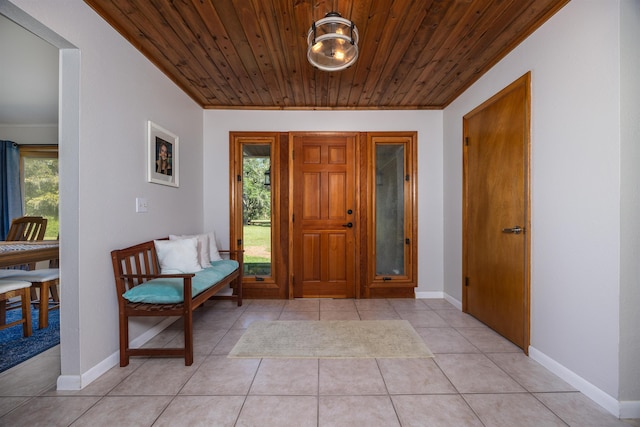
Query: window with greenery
[[39, 174], [256, 209]]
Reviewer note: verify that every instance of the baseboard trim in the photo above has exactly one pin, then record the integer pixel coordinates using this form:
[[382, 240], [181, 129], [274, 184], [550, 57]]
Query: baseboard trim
[[630, 409], [429, 295], [439, 295], [78, 382], [610, 404], [457, 304], [68, 382]]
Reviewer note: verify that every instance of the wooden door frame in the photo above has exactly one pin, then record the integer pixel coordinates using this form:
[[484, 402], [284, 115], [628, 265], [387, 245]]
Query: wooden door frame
[[409, 141], [356, 138], [268, 286], [526, 81]]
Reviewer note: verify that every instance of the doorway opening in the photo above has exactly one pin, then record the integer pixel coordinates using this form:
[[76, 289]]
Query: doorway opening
[[325, 214]]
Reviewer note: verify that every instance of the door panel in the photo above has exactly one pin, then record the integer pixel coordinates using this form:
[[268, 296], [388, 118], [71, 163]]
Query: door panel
[[496, 200], [337, 191], [311, 197], [323, 194]]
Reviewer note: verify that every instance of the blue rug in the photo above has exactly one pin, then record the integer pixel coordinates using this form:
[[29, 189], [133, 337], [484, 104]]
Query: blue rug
[[15, 349]]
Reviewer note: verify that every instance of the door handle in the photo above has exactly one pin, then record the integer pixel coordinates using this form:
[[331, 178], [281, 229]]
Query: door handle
[[515, 230], [348, 225]]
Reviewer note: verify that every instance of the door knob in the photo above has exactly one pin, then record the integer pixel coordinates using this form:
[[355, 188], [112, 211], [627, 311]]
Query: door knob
[[348, 225], [515, 230]]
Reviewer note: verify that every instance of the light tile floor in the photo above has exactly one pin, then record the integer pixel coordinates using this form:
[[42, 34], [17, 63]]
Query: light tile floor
[[476, 378]]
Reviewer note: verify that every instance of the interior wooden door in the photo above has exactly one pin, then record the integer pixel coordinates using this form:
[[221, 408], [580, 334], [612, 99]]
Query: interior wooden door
[[324, 215], [496, 213]]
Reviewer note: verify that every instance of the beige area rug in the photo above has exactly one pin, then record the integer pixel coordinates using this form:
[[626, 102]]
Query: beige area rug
[[330, 339]]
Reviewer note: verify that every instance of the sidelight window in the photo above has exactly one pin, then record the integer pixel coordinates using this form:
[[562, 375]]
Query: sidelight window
[[254, 213], [256, 209], [392, 226], [390, 215]]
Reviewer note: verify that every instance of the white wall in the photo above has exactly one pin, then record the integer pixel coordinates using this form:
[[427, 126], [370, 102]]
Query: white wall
[[428, 124], [575, 181], [28, 86], [630, 215], [104, 170], [30, 134]]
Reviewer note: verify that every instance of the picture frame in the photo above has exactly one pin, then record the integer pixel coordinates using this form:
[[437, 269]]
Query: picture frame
[[163, 156]]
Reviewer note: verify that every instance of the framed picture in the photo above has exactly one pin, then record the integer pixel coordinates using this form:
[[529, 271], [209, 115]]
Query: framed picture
[[163, 154]]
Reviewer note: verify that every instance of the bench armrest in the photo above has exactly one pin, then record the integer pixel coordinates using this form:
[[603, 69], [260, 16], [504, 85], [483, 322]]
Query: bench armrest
[[157, 276]]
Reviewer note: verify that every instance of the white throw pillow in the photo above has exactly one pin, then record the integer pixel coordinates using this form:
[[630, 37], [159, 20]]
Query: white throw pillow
[[213, 247], [203, 247], [178, 256]]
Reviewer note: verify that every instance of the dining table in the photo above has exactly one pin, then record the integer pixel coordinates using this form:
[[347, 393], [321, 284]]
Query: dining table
[[26, 252]]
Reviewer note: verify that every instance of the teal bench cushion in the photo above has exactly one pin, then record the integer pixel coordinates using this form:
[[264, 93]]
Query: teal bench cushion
[[170, 290]]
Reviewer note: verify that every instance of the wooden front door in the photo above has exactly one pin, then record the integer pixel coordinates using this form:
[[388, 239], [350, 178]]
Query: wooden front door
[[496, 213], [324, 215]]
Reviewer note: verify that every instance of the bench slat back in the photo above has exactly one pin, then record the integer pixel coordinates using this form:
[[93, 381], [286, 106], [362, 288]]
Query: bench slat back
[[135, 261]]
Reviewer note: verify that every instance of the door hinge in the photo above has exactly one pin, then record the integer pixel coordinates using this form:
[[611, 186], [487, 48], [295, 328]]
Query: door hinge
[[407, 241], [293, 154], [293, 218], [466, 281], [239, 242], [239, 178], [466, 140], [406, 177]]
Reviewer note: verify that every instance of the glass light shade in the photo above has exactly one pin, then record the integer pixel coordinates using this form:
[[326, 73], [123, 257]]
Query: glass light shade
[[333, 43]]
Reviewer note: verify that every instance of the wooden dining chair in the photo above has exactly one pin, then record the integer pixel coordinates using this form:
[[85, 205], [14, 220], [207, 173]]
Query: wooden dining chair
[[11, 288], [44, 294], [44, 282], [27, 228], [44, 291]]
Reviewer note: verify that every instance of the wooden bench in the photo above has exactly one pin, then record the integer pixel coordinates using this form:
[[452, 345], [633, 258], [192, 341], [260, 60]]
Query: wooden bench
[[139, 264]]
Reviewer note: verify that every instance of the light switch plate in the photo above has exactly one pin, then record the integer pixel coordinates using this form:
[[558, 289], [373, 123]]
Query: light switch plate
[[142, 205]]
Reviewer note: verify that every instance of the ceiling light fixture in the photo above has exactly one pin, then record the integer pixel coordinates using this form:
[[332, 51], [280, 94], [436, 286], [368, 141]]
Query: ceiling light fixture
[[333, 43]]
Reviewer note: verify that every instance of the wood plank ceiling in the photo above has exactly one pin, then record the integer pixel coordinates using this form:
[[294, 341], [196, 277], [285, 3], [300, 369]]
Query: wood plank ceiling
[[251, 54]]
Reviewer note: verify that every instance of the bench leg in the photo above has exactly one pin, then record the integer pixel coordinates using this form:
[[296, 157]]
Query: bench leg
[[239, 290], [188, 338], [124, 340]]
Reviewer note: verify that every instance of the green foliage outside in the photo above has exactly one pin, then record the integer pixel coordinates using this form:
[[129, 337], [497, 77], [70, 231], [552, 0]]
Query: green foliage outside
[[257, 236], [257, 246], [256, 197], [256, 218], [41, 192], [252, 259]]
